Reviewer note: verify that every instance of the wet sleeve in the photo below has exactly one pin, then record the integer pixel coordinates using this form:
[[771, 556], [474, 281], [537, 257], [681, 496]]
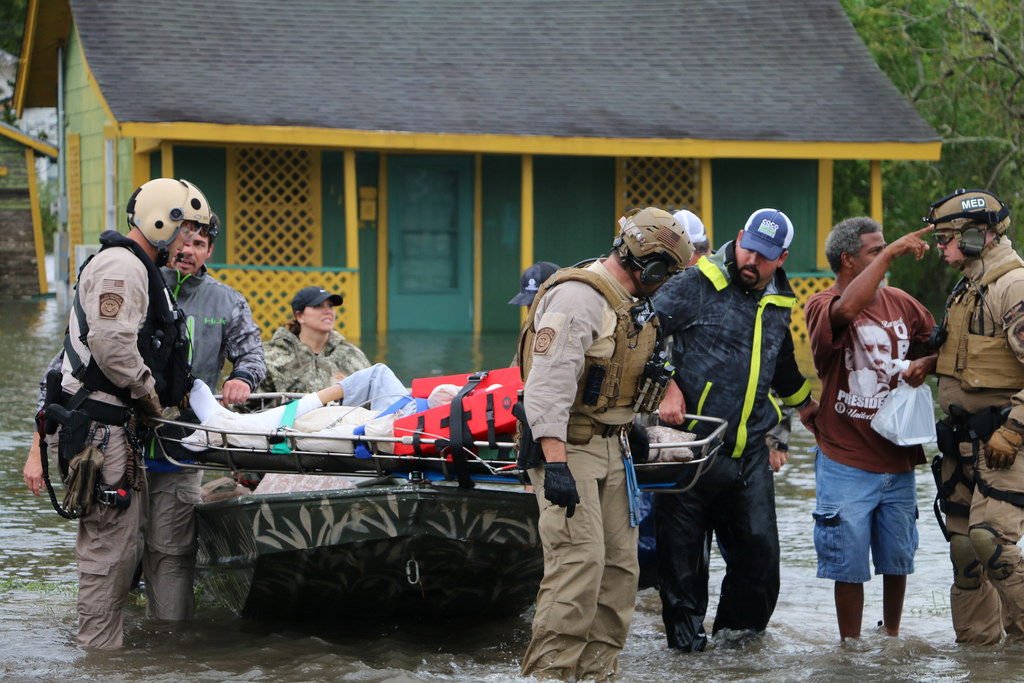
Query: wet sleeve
[[569, 319], [788, 382], [115, 296], [55, 364], [243, 346]]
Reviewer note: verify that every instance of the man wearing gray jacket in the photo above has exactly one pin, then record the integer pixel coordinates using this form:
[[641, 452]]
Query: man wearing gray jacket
[[221, 328]]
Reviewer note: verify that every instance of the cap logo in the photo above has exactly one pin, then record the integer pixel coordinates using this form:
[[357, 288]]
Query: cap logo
[[973, 203], [768, 227]]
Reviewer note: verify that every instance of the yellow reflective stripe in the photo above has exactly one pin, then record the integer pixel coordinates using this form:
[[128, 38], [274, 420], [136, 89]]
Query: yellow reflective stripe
[[780, 300], [778, 410], [799, 397], [700, 405], [711, 272], [755, 371]]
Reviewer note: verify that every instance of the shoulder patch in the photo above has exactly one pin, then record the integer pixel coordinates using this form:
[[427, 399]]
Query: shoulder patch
[[543, 341], [110, 305], [1013, 313]]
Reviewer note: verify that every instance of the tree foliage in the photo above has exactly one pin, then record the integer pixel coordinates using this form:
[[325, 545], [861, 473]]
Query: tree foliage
[[961, 62]]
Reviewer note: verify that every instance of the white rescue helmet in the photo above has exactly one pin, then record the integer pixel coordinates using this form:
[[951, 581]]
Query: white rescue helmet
[[160, 206]]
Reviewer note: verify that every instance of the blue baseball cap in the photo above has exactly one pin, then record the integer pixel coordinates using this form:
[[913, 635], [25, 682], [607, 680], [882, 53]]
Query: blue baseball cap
[[769, 232]]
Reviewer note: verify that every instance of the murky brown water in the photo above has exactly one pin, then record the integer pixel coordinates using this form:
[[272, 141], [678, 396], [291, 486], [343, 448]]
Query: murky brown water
[[37, 585]]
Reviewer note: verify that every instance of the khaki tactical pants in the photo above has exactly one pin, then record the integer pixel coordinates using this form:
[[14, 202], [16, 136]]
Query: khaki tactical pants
[[169, 557], [981, 614], [108, 549], [586, 597]]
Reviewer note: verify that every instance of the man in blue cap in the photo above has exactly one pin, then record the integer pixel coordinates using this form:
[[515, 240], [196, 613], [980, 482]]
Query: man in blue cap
[[729, 319]]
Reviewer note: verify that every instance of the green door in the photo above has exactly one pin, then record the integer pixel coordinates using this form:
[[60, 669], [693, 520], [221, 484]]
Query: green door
[[430, 243]]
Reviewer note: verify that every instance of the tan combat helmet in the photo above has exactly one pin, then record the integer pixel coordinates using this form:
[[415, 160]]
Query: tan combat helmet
[[652, 241], [964, 207]]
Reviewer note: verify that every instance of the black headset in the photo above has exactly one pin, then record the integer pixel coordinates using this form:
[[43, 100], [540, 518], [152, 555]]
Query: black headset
[[654, 268]]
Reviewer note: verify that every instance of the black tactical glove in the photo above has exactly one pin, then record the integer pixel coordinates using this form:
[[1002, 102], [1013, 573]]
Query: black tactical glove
[[560, 487]]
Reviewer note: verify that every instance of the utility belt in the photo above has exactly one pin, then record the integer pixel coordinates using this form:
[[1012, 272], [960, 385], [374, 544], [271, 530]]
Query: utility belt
[[963, 427], [98, 411], [79, 461], [581, 430]]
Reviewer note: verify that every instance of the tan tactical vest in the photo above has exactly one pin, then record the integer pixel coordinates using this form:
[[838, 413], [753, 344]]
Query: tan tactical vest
[[623, 368], [978, 361]]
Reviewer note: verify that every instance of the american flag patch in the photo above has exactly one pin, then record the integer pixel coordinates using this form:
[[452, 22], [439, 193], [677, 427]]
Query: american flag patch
[[109, 285], [668, 237]]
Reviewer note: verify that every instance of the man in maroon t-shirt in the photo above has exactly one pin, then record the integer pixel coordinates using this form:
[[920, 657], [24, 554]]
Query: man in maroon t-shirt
[[865, 486]]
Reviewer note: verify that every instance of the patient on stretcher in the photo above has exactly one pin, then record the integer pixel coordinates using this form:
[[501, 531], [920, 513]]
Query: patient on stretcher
[[363, 396]]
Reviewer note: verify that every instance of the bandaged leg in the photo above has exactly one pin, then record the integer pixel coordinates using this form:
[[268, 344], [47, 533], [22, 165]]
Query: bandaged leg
[[206, 407]]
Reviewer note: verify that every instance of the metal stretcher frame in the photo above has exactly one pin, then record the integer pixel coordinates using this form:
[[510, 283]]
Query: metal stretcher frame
[[658, 477]]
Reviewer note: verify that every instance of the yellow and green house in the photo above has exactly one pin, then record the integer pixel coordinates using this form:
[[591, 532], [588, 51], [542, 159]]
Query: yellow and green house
[[417, 156]]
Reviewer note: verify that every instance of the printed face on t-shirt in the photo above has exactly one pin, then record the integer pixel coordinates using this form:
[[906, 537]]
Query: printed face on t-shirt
[[870, 360]]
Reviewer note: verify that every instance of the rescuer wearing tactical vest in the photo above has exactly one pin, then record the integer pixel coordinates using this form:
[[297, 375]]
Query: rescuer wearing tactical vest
[[729, 317], [981, 390], [125, 357], [590, 361]]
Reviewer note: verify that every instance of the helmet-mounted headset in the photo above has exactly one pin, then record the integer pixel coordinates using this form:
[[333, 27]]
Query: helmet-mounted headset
[[968, 213], [653, 242]]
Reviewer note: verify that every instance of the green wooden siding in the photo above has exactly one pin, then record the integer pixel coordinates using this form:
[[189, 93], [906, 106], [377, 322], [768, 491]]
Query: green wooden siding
[[206, 168], [742, 186], [501, 201], [14, 182], [85, 116], [574, 208]]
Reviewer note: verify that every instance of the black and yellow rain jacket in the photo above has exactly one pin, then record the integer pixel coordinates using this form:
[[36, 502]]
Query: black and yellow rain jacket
[[729, 346]]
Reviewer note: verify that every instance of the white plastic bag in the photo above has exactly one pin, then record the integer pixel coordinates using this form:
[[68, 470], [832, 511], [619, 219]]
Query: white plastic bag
[[907, 418]]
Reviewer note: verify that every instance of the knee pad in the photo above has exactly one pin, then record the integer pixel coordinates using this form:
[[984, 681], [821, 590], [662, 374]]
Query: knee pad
[[966, 568], [989, 550]]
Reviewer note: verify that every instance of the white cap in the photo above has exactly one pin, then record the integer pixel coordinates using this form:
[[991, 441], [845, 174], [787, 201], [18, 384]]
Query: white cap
[[694, 226]]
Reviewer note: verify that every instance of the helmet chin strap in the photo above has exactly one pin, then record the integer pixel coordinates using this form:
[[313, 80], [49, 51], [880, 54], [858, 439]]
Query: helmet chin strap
[[162, 256]]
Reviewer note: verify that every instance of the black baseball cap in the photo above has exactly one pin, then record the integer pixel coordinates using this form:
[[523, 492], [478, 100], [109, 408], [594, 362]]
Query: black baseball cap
[[533, 277], [314, 296]]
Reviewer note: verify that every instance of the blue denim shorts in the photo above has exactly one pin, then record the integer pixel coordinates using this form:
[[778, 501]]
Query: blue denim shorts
[[858, 510]]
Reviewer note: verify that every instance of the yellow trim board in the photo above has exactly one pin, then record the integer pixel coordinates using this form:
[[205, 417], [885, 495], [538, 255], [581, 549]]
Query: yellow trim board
[[538, 144], [25, 60], [29, 141], [37, 220]]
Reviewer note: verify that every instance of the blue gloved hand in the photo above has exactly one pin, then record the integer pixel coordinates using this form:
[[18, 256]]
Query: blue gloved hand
[[560, 487]]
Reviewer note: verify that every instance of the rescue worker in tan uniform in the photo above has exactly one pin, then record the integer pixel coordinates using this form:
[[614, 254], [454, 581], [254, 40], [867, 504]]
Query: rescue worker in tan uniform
[[122, 363], [587, 341], [981, 390]]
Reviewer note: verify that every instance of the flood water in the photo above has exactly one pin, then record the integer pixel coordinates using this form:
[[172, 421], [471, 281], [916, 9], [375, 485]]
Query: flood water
[[38, 621]]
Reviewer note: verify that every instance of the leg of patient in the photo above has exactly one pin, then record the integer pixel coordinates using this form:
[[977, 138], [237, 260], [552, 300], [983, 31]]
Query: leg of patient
[[375, 387], [206, 407]]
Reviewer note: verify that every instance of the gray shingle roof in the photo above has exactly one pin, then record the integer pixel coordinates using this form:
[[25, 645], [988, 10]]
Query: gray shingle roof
[[772, 70]]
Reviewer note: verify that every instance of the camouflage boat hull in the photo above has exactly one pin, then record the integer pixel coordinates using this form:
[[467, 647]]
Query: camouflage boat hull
[[413, 550]]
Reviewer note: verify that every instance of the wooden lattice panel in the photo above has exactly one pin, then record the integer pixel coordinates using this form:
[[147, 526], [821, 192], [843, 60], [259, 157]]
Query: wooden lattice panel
[[274, 206], [269, 292], [804, 288], [666, 183]]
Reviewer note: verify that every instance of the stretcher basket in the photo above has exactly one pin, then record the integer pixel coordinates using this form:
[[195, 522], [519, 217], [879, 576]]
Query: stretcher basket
[[281, 451]]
